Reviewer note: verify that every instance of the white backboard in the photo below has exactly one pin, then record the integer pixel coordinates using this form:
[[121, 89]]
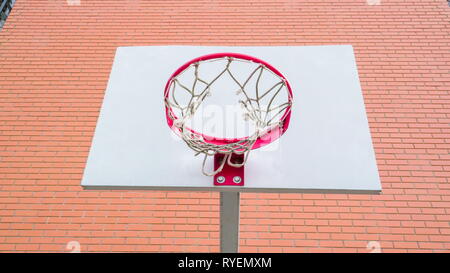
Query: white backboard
[[327, 147]]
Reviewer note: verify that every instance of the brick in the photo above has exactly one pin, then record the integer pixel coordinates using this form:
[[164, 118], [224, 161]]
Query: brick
[[405, 244]]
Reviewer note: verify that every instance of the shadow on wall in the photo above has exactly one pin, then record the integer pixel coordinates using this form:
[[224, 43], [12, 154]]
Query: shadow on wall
[[5, 9]]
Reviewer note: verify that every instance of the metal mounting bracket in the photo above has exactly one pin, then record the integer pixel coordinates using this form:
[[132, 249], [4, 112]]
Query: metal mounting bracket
[[229, 176]]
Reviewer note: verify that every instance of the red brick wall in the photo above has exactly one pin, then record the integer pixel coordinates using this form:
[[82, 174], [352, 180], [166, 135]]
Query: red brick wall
[[55, 61]]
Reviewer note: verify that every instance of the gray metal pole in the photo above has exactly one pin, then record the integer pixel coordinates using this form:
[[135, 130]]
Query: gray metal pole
[[229, 222]]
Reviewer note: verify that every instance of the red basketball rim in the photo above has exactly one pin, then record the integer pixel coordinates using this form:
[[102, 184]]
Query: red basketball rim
[[267, 137]]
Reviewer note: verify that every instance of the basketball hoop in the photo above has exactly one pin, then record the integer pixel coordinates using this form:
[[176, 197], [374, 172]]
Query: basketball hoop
[[270, 121]]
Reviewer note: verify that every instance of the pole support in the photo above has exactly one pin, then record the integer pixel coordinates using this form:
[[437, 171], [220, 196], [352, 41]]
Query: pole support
[[229, 222]]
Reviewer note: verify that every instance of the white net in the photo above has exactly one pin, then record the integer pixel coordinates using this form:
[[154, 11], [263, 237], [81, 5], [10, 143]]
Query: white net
[[262, 94]]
